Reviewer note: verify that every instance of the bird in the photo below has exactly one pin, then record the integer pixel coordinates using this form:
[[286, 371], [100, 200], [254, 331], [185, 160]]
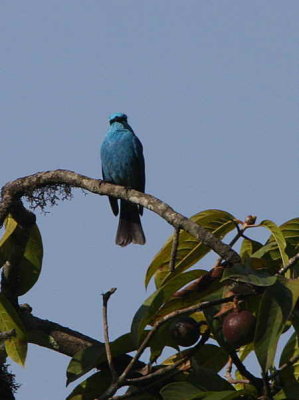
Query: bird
[[123, 164]]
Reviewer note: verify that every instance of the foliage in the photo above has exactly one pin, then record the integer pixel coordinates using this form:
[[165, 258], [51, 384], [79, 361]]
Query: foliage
[[256, 284]]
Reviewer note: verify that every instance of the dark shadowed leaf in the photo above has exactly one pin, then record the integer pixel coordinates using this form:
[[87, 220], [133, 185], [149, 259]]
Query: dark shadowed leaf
[[189, 249], [30, 266], [92, 356], [16, 347], [275, 309], [244, 273], [187, 391], [211, 357], [181, 391], [152, 304], [92, 387]]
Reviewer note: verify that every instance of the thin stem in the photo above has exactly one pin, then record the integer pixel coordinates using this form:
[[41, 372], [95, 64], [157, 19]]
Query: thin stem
[[257, 382], [106, 297]]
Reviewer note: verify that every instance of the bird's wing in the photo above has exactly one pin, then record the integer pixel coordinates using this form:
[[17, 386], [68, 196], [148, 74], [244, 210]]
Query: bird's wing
[[112, 200]]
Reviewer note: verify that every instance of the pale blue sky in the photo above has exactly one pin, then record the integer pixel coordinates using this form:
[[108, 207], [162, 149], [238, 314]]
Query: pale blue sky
[[211, 89]]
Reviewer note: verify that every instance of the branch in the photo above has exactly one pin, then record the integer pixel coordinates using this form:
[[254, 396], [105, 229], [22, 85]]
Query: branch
[[257, 382], [106, 297], [65, 340], [292, 261], [13, 191]]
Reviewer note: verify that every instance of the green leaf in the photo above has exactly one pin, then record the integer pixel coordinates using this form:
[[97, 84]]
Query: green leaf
[[152, 304], [248, 247], [244, 273], [16, 347], [5, 242], [30, 265], [278, 236], [275, 309], [92, 387], [189, 249], [83, 361]]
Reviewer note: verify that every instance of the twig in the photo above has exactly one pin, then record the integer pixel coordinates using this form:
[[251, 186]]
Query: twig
[[239, 234], [257, 382], [174, 249], [165, 370], [8, 334], [228, 374], [266, 387], [106, 297], [292, 261], [289, 363]]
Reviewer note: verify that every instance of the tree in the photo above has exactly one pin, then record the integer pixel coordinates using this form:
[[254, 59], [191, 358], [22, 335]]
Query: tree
[[244, 303]]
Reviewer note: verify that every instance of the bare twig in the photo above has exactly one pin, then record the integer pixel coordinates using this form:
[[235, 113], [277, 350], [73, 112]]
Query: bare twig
[[8, 334], [106, 297], [13, 191], [289, 363], [174, 249], [266, 388], [292, 261], [228, 374], [257, 382]]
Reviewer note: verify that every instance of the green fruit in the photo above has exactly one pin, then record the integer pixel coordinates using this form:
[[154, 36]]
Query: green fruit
[[184, 331], [238, 328]]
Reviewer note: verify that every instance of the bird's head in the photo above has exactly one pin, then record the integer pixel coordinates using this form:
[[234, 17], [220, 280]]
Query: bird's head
[[118, 117]]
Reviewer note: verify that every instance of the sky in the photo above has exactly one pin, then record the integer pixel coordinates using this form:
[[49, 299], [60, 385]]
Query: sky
[[211, 90]]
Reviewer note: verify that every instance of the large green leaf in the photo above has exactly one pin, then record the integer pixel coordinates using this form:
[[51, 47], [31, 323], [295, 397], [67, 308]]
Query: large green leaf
[[92, 387], [271, 252], [275, 309], [30, 265], [16, 347], [146, 313], [278, 236], [189, 249]]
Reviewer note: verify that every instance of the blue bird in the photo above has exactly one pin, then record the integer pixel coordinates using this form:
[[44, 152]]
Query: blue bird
[[123, 164]]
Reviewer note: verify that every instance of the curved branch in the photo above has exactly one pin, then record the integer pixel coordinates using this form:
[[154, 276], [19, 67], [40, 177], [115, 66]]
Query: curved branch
[[13, 191], [65, 340]]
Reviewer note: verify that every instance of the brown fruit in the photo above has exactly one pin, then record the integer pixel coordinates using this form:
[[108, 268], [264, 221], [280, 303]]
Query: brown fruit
[[184, 331], [238, 328]]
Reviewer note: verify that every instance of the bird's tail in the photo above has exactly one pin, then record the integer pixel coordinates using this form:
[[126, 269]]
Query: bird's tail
[[129, 226]]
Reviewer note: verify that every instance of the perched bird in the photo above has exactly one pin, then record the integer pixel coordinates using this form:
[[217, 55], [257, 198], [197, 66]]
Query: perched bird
[[123, 164]]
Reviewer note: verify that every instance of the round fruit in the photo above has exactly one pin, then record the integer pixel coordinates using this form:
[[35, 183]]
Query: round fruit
[[184, 331], [238, 328]]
